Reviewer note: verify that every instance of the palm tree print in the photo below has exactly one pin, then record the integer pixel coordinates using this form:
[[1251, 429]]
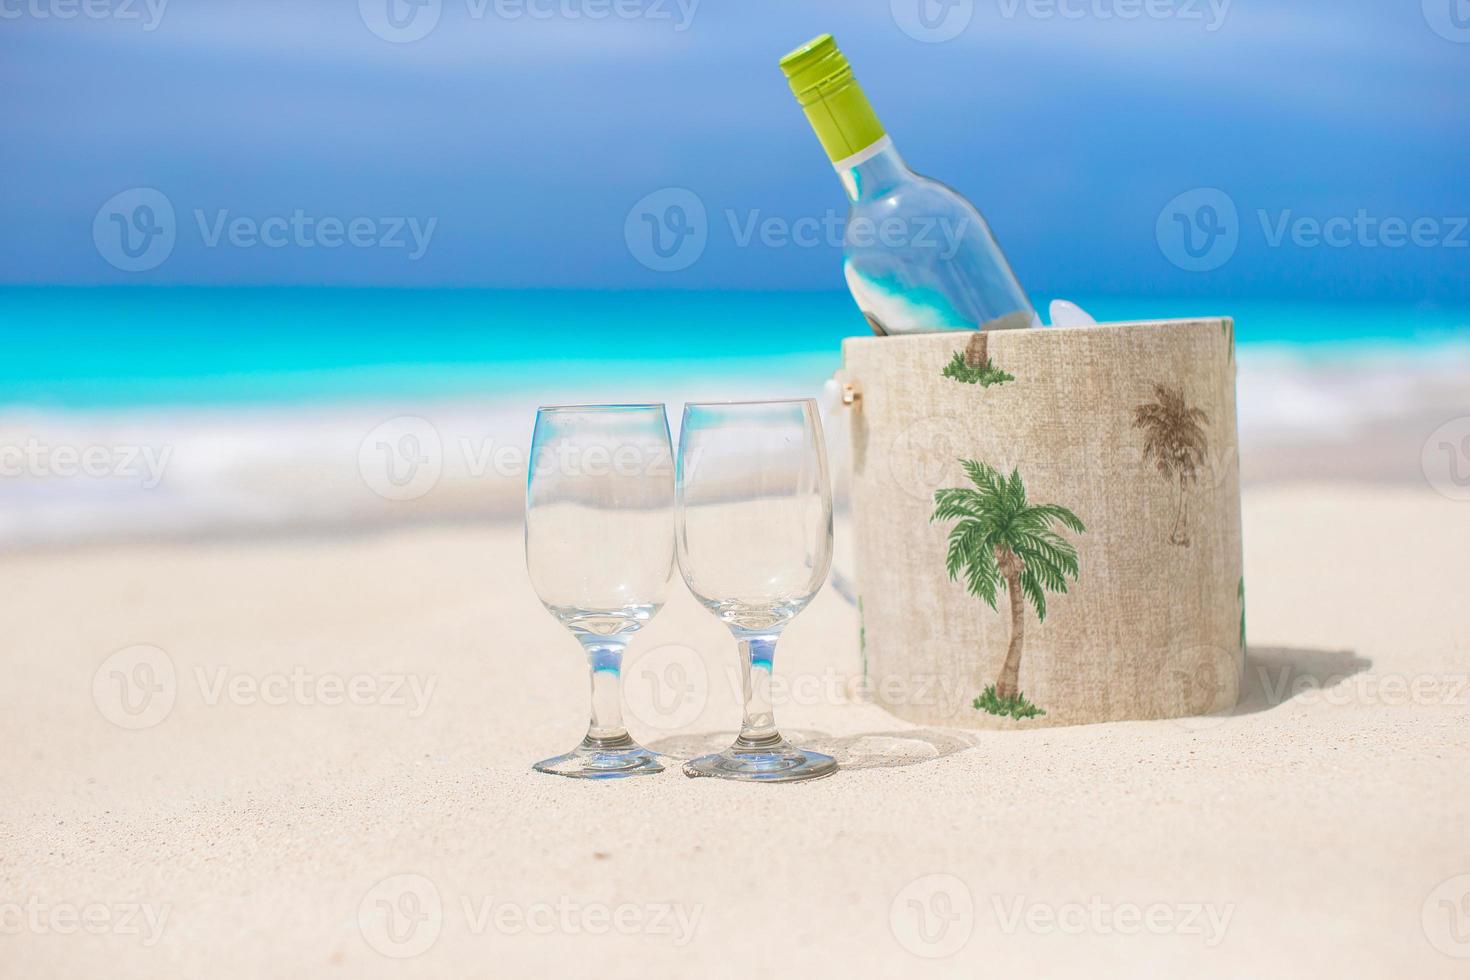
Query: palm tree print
[[1001, 538], [1175, 441], [972, 365]]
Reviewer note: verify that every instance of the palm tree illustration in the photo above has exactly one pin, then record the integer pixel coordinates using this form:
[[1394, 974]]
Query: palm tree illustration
[[973, 366], [1175, 441], [1001, 538]]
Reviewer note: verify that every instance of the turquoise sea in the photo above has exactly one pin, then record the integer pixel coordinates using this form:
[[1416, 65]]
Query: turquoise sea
[[105, 348]]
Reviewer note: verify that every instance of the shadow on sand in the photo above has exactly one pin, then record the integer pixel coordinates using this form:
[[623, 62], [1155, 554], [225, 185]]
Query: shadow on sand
[[869, 750], [1272, 677], [1275, 675]]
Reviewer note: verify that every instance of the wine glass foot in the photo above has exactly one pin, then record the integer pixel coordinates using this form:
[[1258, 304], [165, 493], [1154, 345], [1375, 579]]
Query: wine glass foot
[[773, 761], [603, 759]]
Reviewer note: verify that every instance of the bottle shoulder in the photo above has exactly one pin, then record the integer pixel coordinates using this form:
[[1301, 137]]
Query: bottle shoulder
[[915, 194]]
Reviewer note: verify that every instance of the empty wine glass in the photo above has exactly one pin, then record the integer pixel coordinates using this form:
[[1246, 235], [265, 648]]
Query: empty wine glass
[[754, 518], [600, 552]]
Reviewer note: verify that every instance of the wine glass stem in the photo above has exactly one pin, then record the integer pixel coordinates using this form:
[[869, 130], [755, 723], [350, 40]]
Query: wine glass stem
[[605, 660], [759, 724]]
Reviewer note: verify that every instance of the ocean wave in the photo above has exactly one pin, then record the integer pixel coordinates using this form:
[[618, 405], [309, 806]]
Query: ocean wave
[[76, 475]]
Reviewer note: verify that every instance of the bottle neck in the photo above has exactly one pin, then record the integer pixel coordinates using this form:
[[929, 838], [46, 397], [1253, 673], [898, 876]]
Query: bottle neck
[[872, 172]]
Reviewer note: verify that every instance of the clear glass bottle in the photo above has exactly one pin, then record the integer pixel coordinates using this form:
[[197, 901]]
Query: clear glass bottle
[[917, 256]]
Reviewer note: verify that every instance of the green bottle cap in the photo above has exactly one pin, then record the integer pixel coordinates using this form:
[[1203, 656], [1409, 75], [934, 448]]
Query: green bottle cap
[[833, 101]]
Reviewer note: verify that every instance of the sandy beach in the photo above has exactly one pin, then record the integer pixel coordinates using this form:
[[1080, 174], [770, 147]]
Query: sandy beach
[[327, 773]]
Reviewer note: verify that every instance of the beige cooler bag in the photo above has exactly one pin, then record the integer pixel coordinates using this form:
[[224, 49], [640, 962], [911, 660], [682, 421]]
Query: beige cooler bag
[[1047, 523]]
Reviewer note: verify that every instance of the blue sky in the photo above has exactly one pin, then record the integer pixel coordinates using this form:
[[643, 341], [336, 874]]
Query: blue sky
[[527, 139]]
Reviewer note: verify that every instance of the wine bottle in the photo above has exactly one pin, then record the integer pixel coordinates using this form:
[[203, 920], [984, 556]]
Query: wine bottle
[[917, 256]]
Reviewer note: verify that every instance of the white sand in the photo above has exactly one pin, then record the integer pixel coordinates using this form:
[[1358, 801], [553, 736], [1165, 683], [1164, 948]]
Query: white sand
[[1303, 836]]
